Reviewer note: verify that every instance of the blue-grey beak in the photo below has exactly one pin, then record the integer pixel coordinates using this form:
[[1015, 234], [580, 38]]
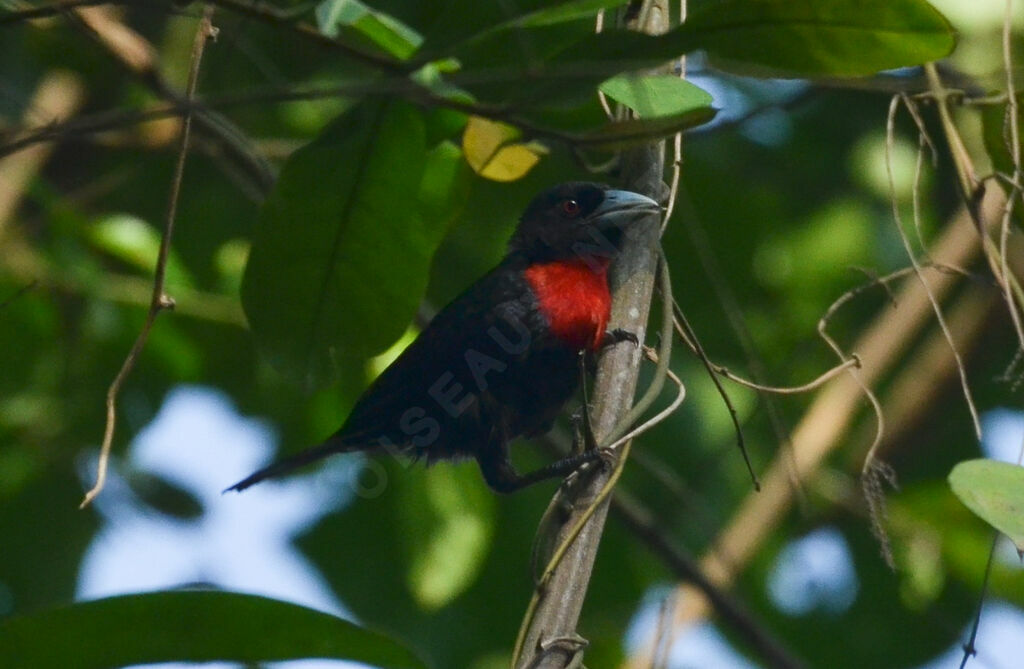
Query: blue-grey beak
[[621, 208]]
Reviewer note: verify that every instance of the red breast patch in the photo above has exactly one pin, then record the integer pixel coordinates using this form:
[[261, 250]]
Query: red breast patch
[[574, 297]]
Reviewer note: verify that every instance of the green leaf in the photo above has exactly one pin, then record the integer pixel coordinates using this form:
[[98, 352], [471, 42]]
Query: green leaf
[[995, 492], [136, 243], [590, 128], [457, 21], [190, 626], [618, 135], [656, 95], [381, 29], [341, 251], [561, 12], [797, 38], [843, 38], [445, 186]]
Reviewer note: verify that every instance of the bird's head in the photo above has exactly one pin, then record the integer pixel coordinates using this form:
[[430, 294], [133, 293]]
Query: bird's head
[[579, 220]]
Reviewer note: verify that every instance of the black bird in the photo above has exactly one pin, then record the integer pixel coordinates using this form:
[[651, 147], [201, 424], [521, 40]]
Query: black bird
[[502, 359]]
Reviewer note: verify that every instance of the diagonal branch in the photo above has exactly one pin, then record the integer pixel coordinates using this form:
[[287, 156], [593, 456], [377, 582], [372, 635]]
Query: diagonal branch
[[160, 299]]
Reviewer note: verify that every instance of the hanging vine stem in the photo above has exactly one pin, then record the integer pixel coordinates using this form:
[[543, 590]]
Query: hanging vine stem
[[1015, 191], [614, 439], [1012, 137], [972, 191], [822, 379], [687, 334], [658, 417], [890, 132], [874, 471], [160, 299]]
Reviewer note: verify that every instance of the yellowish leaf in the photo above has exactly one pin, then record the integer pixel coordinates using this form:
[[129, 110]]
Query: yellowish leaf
[[492, 151]]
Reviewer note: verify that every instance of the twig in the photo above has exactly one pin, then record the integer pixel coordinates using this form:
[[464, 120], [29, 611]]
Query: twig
[[255, 9], [1014, 150], [822, 379], [728, 607], [663, 633], [688, 335], [138, 56], [969, 648], [117, 118], [160, 299], [1013, 141], [56, 98], [965, 386], [641, 522], [677, 141], [656, 418], [972, 193], [826, 421], [726, 298], [876, 406], [18, 293]]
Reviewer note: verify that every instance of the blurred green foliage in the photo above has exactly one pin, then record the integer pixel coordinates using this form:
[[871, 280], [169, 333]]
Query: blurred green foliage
[[375, 210]]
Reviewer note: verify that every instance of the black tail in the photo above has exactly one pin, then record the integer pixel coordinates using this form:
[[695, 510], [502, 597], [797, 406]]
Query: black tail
[[281, 467]]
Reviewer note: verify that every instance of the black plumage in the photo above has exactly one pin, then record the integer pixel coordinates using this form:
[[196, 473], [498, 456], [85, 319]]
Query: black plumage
[[493, 364]]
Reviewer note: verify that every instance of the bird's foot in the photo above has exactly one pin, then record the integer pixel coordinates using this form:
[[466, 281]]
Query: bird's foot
[[617, 336]]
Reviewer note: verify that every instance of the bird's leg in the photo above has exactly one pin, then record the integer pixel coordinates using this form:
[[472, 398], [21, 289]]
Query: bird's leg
[[617, 336], [587, 428], [501, 476]]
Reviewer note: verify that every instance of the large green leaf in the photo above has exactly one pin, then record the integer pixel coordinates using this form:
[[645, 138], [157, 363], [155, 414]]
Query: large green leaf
[[777, 37], [995, 491], [454, 21], [341, 251], [811, 37], [383, 30], [560, 12], [656, 95], [191, 626]]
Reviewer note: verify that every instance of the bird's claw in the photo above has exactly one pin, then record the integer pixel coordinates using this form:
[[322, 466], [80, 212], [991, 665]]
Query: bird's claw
[[609, 457], [618, 335]]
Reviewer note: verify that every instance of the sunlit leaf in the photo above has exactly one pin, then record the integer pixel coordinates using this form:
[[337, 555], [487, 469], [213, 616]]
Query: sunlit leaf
[[381, 29], [191, 627], [656, 95], [995, 491], [136, 243], [492, 151]]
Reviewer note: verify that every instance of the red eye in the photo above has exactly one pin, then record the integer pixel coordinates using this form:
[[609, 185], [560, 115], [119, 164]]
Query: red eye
[[570, 207]]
